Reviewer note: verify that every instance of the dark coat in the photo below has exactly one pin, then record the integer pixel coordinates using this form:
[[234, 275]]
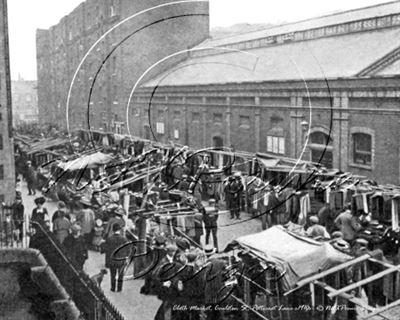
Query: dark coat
[[39, 216], [193, 286], [30, 175], [113, 258], [76, 250], [210, 219], [166, 271], [233, 193], [56, 215], [17, 211], [214, 279]]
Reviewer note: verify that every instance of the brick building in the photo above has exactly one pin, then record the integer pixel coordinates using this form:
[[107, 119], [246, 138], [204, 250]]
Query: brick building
[[126, 52], [7, 173], [25, 103], [325, 89]]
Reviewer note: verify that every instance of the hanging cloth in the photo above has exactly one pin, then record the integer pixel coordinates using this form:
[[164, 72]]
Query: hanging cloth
[[358, 201], [305, 208], [181, 225], [365, 202], [266, 198], [395, 214], [327, 194]]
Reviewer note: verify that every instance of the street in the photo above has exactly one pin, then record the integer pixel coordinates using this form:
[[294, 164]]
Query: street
[[130, 302]]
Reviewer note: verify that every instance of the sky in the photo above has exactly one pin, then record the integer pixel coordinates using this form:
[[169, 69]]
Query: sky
[[25, 16]]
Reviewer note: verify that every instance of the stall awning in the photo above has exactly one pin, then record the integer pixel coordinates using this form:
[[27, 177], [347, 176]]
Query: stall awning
[[269, 163], [46, 144], [300, 256], [87, 161]]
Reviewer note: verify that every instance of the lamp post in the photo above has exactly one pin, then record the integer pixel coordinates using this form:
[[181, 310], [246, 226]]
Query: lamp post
[[304, 127]]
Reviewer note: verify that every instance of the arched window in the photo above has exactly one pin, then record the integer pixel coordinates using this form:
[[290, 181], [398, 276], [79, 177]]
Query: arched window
[[362, 148]]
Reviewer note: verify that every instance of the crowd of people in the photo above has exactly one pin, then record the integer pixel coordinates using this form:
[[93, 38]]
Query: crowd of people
[[181, 269]]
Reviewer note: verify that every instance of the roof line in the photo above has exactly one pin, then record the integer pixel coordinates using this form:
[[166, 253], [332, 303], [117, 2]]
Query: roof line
[[380, 63], [309, 19]]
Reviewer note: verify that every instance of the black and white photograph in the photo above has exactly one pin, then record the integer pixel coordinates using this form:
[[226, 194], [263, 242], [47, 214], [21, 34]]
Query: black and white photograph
[[199, 160]]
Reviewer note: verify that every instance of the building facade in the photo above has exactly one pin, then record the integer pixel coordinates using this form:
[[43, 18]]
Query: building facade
[[102, 86], [7, 172], [25, 102], [325, 89]]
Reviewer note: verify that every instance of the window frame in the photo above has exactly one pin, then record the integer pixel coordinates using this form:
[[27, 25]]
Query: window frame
[[276, 144], [359, 153], [352, 152]]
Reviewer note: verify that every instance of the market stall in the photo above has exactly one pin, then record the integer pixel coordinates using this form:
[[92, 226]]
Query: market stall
[[284, 271]]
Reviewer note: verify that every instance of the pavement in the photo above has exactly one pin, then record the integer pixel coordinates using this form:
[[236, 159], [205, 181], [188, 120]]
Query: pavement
[[130, 302]]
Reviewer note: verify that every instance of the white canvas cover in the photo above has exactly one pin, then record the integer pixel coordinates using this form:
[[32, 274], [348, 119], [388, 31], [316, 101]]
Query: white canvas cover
[[89, 161], [300, 256]]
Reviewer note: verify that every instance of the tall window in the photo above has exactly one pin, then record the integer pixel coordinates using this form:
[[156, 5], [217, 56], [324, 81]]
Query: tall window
[[1, 172], [160, 127], [276, 144], [1, 142], [276, 136], [362, 150]]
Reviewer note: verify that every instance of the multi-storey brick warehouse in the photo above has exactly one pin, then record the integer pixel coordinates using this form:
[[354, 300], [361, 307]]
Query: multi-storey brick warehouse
[[325, 89], [149, 37], [7, 173]]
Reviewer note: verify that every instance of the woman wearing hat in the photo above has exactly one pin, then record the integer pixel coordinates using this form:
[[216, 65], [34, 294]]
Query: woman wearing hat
[[61, 226], [40, 214], [85, 218]]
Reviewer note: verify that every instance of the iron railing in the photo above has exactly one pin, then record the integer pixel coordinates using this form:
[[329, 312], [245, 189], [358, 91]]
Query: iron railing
[[87, 296]]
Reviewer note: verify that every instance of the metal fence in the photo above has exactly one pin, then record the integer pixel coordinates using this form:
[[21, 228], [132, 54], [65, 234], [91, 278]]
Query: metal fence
[[87, 296]]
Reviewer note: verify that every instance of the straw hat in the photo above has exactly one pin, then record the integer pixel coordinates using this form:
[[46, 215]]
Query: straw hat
[[209, 250], [341, 245]]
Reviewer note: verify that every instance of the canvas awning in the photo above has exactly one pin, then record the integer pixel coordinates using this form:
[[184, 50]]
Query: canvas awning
[[301, 257], [46, 144], [88, 161]]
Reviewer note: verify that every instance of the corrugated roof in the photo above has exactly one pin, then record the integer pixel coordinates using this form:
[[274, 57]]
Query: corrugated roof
[[333, 57], [327, 20]]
